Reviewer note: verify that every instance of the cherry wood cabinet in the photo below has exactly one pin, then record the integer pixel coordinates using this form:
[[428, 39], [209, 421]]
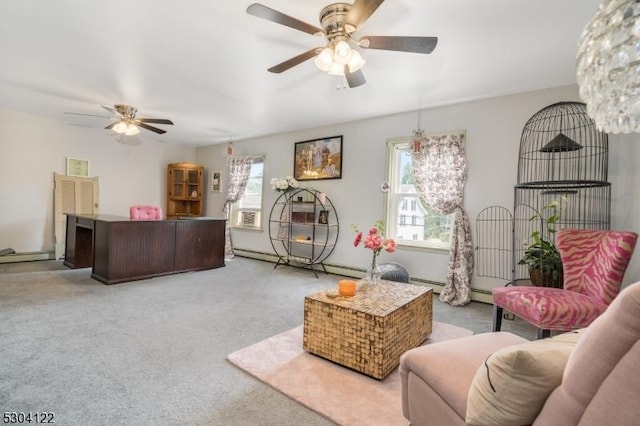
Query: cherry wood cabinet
[[184, 190]]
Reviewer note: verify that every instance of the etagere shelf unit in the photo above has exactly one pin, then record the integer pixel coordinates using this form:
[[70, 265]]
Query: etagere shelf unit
[[303, 228]]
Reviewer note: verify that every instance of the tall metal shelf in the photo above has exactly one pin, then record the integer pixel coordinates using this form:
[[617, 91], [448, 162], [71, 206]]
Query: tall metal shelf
[[303, 228]]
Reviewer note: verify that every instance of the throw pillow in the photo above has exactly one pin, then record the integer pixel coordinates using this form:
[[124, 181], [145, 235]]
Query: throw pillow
[[513, 384]]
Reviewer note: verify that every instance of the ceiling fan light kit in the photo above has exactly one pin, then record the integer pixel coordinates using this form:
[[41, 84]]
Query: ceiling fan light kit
[[125, 128], [333, 59], [325, 59], [339, 22], [342, 52]]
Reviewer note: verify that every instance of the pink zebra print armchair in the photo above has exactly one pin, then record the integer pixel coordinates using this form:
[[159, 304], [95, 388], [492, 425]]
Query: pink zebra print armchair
[[594, 263]]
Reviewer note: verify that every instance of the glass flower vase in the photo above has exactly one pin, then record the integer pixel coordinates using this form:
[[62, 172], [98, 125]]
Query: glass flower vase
[[374, 275]]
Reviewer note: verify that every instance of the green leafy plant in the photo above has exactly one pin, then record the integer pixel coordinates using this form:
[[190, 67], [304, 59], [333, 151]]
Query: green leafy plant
[[541, 254]]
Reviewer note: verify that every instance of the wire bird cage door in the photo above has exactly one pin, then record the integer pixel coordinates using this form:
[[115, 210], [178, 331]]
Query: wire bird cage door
[[494, 249], [562, 156]]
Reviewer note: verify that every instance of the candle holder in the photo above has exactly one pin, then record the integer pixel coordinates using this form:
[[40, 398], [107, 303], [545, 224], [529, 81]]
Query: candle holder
[[346, 288]]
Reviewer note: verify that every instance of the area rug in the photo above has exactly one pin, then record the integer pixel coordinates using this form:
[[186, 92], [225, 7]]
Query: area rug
[[344, 396]]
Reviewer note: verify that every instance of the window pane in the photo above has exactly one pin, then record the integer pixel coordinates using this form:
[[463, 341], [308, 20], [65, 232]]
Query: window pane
[[252, 198], [405, 173], [247, 210], [250, 201], [409, 220]]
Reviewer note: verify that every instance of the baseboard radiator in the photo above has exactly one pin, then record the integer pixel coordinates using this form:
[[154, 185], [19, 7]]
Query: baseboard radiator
[[348, 271], [27, 256]]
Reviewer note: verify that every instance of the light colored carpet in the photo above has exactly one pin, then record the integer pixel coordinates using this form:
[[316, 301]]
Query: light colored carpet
[[342, 395], [156, 350]]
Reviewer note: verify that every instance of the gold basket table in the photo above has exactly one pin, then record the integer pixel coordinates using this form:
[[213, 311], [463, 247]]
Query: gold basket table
[[371, 330]]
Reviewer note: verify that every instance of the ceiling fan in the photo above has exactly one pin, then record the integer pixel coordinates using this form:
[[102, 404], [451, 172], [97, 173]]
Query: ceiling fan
[[127, 123], [340, 21]]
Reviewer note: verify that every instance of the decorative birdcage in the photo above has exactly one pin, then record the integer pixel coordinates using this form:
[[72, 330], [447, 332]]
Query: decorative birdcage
[[561, 147], [562, 156]]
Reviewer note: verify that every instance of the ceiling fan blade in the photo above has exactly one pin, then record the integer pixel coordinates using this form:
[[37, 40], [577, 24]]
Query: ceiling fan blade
[[111, 110], [154, 120], [261, 11], [354, 79], [89, 115], [361, 11], [153, 129], [400, 43], [110, 126], [296, 60]]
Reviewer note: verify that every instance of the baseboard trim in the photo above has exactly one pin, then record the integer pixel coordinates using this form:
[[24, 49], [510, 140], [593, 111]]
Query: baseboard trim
[[27, 256], [477, 295]]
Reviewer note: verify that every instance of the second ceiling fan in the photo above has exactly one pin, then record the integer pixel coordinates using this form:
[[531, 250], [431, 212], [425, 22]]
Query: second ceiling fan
[[126, 122], [339, 23]]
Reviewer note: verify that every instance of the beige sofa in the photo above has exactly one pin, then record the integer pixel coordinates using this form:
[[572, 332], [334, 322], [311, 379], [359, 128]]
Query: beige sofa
[[591, 377]]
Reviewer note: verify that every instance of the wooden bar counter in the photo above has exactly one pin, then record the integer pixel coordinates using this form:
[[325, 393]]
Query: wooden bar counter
[[120, 250]]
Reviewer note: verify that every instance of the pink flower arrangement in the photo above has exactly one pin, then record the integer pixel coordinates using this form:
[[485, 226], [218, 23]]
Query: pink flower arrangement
[[375, 240]]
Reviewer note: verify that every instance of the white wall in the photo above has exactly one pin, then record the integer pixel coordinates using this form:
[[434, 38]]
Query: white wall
[[493, 126], [624, 175], [33, 148]]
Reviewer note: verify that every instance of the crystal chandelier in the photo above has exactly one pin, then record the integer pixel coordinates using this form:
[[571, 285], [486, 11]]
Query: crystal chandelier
[[608, 66]]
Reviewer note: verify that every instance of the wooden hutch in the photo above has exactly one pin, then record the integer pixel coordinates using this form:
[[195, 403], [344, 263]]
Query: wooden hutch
[[185, 190]]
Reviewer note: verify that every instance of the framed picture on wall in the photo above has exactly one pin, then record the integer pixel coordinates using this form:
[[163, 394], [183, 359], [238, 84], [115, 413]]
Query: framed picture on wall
[[323, 217], [215, 181], [76, 167], [318, 159]]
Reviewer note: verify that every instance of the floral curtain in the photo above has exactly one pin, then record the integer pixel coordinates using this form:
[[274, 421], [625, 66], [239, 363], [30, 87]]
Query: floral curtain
[[440, 170], [239, 169]]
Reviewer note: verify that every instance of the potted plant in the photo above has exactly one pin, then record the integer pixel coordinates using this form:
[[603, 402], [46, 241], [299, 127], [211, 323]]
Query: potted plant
[[541, 255]]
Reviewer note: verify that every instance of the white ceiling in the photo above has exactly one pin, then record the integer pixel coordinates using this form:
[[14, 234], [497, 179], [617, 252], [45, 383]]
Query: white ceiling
[[203, 64]]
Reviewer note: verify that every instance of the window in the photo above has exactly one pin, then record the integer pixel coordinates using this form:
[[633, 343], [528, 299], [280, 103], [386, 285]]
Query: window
[[409, 221], [247, 211]]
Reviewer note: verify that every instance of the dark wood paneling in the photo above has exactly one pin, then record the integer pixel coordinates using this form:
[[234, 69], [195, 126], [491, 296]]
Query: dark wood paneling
[[78, 244], [126, 250], [133, 249], [84, 250], [198, 244], [70, 243]]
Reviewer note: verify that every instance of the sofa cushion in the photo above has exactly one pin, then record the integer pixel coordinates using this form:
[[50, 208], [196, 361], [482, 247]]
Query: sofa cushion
[[513, 384], [447, 368], [549, 308], [602, 372]]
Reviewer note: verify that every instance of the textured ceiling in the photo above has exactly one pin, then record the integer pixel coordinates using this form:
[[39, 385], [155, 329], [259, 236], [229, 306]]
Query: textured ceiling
[[203, 64]]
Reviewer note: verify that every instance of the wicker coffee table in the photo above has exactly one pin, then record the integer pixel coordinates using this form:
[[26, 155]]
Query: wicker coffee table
[[371, 330]]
